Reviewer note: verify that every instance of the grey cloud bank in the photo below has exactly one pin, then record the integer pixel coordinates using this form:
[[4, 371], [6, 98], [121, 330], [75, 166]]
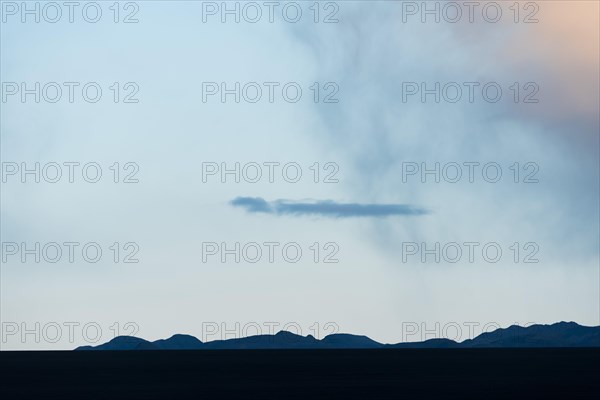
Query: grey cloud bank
[[325, 208]]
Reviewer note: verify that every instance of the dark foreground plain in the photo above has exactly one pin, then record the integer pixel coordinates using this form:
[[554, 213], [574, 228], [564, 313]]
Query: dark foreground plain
[[307, 374]]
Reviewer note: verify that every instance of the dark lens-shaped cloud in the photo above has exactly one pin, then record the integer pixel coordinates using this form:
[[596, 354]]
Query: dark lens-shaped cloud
[[252, 204], [325, 208]]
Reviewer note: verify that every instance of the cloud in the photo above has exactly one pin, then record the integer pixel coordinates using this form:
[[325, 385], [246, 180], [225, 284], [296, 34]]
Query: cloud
[[325, 208]]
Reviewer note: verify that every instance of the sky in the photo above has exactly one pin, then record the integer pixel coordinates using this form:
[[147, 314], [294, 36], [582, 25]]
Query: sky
[[398, 196]]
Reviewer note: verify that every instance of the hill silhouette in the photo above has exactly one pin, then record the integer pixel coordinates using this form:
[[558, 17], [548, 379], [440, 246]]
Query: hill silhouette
[[562, 334]]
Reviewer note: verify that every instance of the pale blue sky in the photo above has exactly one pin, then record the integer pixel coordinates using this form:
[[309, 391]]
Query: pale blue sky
[[368, 134]]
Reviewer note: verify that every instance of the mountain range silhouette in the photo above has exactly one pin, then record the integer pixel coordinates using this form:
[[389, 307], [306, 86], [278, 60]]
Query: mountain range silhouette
[[561, 334]]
